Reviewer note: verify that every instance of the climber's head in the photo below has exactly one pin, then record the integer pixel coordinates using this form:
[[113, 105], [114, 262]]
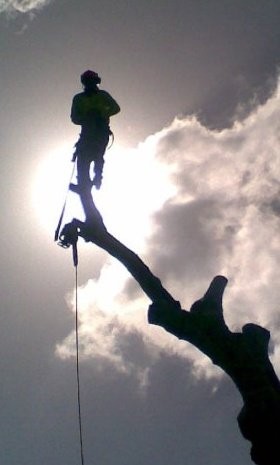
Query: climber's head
[[90, 79]]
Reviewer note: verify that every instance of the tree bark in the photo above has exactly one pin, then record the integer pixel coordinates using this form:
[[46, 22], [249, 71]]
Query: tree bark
[[243, 356]]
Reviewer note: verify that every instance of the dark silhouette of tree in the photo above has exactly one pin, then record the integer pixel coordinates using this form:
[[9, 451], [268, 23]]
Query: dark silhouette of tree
[[243, 356]]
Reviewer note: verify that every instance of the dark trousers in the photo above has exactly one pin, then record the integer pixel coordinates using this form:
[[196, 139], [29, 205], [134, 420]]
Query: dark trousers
[[90, 152]]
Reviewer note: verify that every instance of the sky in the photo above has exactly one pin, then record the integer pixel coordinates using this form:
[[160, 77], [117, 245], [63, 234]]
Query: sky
[[190, 184]]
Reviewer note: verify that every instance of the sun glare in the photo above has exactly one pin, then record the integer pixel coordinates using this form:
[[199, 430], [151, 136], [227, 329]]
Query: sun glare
[[50, 185], [134, 186]]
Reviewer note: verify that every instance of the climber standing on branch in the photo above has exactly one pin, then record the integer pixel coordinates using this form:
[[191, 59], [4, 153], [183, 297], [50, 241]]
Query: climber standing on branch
[[92, 109]]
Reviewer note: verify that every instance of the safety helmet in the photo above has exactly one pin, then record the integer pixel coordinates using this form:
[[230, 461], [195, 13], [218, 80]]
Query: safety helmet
[[89, 77]]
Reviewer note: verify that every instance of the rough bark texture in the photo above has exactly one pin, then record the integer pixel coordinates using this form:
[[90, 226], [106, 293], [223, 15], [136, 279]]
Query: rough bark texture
[[243, 356]]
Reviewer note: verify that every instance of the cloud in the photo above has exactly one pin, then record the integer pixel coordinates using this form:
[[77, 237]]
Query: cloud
[[223, 218], [22, 6], [107, 334]]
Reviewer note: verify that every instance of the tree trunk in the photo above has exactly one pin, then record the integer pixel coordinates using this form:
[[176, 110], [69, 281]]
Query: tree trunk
[[243, 356]]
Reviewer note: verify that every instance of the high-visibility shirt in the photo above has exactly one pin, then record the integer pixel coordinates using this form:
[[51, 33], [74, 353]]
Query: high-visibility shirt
[[89, 106]]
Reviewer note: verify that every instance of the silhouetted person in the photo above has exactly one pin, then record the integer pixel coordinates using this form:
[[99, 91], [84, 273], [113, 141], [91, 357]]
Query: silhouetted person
[[92, 109]]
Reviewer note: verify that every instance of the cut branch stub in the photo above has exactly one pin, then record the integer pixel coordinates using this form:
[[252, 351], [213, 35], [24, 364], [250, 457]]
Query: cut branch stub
[[243, 356]]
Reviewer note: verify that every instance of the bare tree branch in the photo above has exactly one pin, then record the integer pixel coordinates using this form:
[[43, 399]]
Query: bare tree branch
[[243, 356]]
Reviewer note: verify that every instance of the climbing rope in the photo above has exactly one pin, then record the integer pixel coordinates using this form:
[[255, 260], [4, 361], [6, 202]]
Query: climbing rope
[[56, 234], [77, 362], [67, 238]]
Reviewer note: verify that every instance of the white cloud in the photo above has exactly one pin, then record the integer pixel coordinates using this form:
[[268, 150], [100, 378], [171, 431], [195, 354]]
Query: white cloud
[[21, 6], [224, 218]]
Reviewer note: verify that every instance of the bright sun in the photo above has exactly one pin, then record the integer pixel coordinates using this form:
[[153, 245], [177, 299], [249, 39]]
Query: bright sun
[[50, 184], [134, 186]]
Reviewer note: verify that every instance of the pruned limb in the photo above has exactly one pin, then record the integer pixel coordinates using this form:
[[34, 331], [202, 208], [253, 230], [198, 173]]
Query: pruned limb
[[150, 284], [243, 356]]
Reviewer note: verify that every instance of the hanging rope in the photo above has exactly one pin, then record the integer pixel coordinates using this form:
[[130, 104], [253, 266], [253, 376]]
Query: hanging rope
[[69, 237], [56, 234], [77, 357]]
